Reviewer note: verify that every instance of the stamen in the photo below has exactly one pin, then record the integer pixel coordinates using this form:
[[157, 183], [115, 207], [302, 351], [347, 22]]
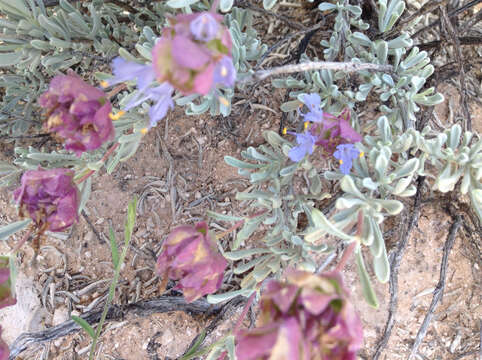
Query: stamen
[[306, 124], [362, 154], [104, 84], [144, 131], [284, 131], [117, 116], [224, 71], [223, 100], [341, 161]]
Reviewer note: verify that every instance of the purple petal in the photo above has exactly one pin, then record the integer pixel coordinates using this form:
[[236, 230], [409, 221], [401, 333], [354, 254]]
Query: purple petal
[[204, 27], [225, 72]]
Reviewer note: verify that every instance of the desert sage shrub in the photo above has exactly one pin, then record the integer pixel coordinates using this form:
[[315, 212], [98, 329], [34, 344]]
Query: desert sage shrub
[[186, 53]]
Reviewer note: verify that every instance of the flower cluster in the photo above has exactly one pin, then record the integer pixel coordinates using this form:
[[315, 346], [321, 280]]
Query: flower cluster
[[49, 198], [78, 113], [7, 297], [193, 55], [190, 255], [306, 317], [328, 131]]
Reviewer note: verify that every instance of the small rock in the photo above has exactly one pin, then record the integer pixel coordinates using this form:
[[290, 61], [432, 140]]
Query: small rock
[[61, 314], [198, 195]]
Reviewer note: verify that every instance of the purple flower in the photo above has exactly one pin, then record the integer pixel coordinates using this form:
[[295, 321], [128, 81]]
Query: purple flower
[[78, 113], [306, 144], [128, 70], [346, 153], [306, 317], [190, 255], [161, 96], [313, 102], [7, 287], [183, 57], [225, 73], [204, 27], [4, 352], [49, 198]]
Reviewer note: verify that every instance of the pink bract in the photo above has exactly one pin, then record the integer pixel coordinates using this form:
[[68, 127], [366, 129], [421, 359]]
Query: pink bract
[[49, 197], [4, 352], [306, 317], [190, 255], [7, 292], [78, 113], [189, 50]]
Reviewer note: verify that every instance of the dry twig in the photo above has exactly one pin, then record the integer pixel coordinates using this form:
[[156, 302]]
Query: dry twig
[[395, 259], [439, 289]]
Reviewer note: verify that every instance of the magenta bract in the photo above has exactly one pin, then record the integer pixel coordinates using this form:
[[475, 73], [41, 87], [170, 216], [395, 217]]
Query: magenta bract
[[190, 255], [307, 317], [4, 352], [188, 53], [49, 197], [333, 131], [7, 291], [78, 113]]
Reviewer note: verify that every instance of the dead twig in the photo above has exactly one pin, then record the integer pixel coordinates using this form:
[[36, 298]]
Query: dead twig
[[92, 227], [464, 40], [458, 56], [142, 308], [395, 259], [347, 67], [439, 289]]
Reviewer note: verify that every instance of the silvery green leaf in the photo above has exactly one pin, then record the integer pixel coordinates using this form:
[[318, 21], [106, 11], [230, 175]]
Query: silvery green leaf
[[10, 229], [261, 272], [230, 347], [315, 186], [393, 207], [429, 100], [402, 41], [370, 184], [222, 217], [242, 268], [385, 96], [179, 4], [446, 180], [348, 202], [355, 10], [289, 170], [243, 254], [413, 59], [9, 59], [476, 201], [240, 164], [226, 5], [384, 128], [246, 231], [367, 289], [325, 6], [84, 193], [388, 80], [367, 231], [268, 4], [216, 299], [381, 48], [454, 136], [402, 185], [407, 169], [323, 225], [290, 106], [464, 186], [348, 185], [381, 265], [381, 165], [410, 191]]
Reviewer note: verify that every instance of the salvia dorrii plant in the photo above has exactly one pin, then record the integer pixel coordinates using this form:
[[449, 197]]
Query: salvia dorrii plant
[[198, 60]]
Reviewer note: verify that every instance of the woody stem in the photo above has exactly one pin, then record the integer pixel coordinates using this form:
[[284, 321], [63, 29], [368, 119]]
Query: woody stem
[[21, 242], [104, 158]]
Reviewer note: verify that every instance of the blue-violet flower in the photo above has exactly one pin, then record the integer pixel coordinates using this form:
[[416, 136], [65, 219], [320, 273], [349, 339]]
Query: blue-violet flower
[[346, 153]]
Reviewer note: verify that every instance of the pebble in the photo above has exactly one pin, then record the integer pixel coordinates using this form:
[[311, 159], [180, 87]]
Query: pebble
[[198, 195], [61, 314]]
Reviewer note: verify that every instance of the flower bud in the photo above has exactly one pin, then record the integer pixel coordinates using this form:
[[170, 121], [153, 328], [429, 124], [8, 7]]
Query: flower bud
[[49, 197], [190, 255], [306, 317], [7, 286], [78, 113]]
